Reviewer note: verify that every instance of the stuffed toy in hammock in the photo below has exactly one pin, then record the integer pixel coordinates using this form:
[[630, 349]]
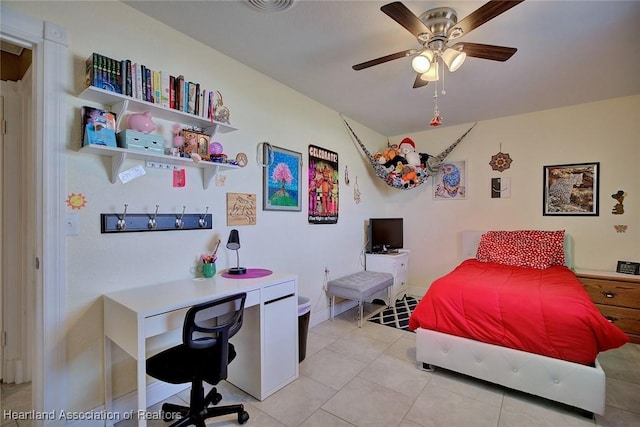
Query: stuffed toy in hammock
[[399, 172]]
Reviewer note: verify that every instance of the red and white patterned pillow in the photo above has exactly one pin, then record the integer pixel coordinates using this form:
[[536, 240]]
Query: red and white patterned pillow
[[522, 248]]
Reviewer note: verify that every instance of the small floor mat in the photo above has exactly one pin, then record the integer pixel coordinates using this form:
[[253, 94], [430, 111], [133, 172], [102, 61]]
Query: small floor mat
[[396, 316]]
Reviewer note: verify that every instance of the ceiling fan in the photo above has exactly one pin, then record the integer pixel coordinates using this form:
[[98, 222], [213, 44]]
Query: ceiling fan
[[434, 30]]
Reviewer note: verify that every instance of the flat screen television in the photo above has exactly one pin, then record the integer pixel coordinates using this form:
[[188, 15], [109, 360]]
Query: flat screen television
[[385, 235]]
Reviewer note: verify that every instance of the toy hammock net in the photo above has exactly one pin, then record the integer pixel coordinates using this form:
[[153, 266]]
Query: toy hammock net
[[419, 174]]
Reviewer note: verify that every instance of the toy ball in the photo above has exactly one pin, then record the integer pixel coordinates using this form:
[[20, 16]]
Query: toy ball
[[215, 148]]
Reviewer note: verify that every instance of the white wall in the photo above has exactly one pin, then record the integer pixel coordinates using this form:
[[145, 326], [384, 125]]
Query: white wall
[[264, 110]]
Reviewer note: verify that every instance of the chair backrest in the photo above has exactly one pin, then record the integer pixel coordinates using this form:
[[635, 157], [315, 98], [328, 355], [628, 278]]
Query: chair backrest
[[214, 322]]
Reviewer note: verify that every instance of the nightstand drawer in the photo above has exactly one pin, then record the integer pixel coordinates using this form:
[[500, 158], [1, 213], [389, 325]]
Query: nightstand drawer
[[615, 293], [400, 267], [625, 318]]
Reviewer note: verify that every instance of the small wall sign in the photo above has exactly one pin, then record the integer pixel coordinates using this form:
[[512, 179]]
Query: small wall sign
[[628, 267]]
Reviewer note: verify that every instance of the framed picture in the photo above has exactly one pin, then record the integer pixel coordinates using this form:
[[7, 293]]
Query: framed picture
[[241, 209], [281, 179], [571, 189], [450, 183], [323, 179]]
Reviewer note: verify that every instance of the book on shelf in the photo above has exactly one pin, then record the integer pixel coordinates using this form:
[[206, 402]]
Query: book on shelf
[[196, 109], [180, 93], [148, 85], [164, 88], [98, 72], [137, 81], [191, 98], [156, 86], [116, 73], [125, 67], [98, 127], [172, 92]]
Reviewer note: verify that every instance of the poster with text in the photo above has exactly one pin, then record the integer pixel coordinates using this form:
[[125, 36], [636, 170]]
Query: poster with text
[[323, 186]]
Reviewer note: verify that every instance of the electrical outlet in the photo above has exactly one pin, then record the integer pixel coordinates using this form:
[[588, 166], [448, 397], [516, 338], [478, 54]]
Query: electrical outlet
[[72, 224]]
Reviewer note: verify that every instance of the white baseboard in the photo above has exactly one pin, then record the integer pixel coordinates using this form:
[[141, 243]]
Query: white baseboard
[[417, 291], [324, 314]]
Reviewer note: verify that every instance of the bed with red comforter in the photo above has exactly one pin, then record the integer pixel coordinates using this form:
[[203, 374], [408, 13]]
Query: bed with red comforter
[[541, 311]]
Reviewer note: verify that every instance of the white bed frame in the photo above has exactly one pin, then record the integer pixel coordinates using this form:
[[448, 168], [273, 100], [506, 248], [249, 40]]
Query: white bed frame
[[570, 383]]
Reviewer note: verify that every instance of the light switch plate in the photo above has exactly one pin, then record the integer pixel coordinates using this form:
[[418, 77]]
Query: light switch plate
[[72, 224]]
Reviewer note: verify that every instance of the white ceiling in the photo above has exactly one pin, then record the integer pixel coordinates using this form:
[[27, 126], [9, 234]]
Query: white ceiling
[[569, 52]]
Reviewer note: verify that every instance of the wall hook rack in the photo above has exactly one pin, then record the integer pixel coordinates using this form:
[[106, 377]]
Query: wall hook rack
[[122, 224], [137, 222], [202, 222], [152, 220], [179, 222]]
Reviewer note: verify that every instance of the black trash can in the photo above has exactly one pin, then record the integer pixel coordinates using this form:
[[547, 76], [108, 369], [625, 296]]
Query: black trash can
[[304, 313]]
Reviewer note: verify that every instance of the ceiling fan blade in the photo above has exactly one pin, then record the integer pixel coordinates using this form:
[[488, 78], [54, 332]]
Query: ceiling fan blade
[[484, 14], [403, 16], [486, 51], [419, 82], [384, 59]]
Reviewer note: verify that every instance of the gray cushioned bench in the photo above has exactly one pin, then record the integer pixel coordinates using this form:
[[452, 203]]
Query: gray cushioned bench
[[358, 287]]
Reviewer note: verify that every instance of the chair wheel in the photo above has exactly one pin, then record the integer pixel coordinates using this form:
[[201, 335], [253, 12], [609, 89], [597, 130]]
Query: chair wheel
[[170, 412], [216, 399], [243, 417]]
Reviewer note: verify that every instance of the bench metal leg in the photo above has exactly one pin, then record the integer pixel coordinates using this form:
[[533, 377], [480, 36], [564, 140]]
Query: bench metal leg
[[332, 304]]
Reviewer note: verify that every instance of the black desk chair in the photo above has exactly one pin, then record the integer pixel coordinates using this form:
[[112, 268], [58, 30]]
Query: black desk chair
[[203, 355]]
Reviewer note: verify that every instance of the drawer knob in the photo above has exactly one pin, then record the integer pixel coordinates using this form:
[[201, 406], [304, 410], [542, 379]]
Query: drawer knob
[[611, 318], [609, 294]]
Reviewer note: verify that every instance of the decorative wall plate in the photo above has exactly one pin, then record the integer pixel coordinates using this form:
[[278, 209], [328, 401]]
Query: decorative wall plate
[[242, 159], [500, 162]]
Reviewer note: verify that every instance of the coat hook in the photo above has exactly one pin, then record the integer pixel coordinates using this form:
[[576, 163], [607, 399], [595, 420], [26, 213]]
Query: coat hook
[[202, 222], [152, 220], [121, 220], [179, 223]]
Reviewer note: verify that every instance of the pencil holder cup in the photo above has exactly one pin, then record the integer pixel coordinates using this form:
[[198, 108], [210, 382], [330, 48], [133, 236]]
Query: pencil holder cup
[[208, 269]]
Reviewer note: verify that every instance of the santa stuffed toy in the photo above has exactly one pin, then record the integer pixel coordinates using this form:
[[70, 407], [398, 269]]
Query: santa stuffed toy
[[408, 151]]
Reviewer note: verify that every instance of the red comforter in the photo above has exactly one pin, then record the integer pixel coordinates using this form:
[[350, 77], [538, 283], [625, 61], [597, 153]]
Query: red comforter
[[546, 312]]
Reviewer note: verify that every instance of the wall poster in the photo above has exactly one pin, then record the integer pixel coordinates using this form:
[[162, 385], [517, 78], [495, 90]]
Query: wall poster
[[323, 186]]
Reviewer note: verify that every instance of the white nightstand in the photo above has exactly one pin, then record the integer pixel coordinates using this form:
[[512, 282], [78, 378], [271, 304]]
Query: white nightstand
[[398, 265]]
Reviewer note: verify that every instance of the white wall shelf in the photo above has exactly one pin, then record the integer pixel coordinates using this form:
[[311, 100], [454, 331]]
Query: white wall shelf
[[118, 156], [122, 104]]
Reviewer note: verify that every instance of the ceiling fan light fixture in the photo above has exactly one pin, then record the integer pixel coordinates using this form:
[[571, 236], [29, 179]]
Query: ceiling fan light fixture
[[422, 63], [453, 58], [431, 75]]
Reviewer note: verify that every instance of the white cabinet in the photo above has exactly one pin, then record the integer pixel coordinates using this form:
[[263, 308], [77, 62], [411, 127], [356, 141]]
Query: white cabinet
[[267, 343], [398, 265], [122, 104], [281, 342]]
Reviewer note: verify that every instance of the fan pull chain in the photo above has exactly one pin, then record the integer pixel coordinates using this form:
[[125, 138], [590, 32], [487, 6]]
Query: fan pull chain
[[444, 92]]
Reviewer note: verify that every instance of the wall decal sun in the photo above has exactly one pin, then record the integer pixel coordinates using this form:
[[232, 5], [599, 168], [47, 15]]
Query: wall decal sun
[[76, 201]]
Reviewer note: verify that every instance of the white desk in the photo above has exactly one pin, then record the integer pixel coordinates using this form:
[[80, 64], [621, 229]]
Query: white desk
[[266, 345]]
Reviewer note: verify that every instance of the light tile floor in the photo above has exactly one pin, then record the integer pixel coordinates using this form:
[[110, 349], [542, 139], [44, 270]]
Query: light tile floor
[[368, 377]]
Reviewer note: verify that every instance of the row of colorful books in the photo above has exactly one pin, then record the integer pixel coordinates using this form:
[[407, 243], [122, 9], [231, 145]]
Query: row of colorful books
[[158, 87]]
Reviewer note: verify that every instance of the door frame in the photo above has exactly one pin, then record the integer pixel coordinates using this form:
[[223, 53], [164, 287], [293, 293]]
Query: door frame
[[45, 245]]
